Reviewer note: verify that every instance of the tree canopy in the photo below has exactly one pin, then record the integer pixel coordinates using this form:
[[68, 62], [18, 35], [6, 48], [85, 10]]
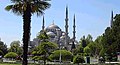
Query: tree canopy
[[3, 48], [44, 49], [11, 55], [111, 39], [65, 55], [15, 47]]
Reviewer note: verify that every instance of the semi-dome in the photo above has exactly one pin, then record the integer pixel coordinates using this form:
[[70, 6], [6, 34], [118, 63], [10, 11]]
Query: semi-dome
[[51, 34], [62, 37]]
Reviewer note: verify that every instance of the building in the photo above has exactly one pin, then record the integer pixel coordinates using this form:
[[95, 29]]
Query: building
[[57, 35]]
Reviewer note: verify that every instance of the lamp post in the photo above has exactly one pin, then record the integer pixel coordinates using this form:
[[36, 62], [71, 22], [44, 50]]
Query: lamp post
[[60, 54]]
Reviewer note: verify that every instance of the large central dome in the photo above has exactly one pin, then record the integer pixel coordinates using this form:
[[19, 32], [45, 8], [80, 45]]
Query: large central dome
[[52, 27]]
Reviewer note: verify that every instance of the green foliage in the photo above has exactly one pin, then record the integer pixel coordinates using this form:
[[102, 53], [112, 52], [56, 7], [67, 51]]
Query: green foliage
[[47, 47], [78, 50], [19, 7], [89, 39], [43, 36], [44, 49], [116, 33], [96, 46], [15, 47], [102, 52], [65, 55], [3, 48], [11, 55], [15, 43], [85, 41], [37, 58], [87, 50], [78, 59], [111, 38]]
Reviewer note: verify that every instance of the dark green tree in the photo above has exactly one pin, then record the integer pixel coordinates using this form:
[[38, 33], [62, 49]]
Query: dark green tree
[[107, 44], [3, 48], [78, 59], [43, 36], [78, 50], [26, 8], [111, 39], [85, 41], [116, 32], [44, 50]]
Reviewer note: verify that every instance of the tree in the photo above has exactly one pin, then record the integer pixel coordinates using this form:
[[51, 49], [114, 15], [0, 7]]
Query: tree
[[11, 55], [111, 39], [78, 59], [26, 8], [85, 41], [44, 49], [95, 46], [15, 47], [98, 45], [43, 36], [65, 55], [3, 48], [89, 39], [87, 50], [116, 32], [78, 50]]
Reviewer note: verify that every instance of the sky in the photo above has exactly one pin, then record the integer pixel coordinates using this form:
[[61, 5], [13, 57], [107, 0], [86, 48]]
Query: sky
[[92, 17]]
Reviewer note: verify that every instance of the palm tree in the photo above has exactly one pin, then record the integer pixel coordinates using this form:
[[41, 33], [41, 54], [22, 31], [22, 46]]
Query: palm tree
[[26, 8]]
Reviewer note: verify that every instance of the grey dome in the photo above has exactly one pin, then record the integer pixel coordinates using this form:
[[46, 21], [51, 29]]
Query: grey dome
[[52, 27], [51, 34]]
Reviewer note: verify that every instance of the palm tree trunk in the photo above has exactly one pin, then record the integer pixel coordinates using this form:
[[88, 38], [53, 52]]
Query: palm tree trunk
[[26, 32]]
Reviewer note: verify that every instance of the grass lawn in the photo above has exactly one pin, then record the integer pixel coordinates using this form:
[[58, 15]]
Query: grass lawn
[[15, 64], [9, 64]]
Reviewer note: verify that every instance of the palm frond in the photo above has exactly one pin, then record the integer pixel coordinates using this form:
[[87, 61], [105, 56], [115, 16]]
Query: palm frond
[[9, 7], [16, 1], [39, 6], [15, 8]]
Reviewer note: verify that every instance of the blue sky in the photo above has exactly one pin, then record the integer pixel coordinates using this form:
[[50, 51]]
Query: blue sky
[[92, 17]]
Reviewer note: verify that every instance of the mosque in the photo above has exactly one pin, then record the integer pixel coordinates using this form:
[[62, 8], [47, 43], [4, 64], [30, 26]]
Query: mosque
[[57, 35]]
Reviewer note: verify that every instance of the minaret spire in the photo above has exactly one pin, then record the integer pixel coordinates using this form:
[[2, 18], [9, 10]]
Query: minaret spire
[[111, 18], [43, 24], [66, 27], [74, 28], [73, 40]]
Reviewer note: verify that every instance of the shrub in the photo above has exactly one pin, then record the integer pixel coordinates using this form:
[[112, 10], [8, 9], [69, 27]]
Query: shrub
[[78, 59], [65, 55], [11, 55]]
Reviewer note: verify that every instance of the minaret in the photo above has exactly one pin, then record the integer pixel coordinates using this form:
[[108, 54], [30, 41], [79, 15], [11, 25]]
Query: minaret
[[66, 28], [43, 24], [111, 23], [74, 28], [73, 40]]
